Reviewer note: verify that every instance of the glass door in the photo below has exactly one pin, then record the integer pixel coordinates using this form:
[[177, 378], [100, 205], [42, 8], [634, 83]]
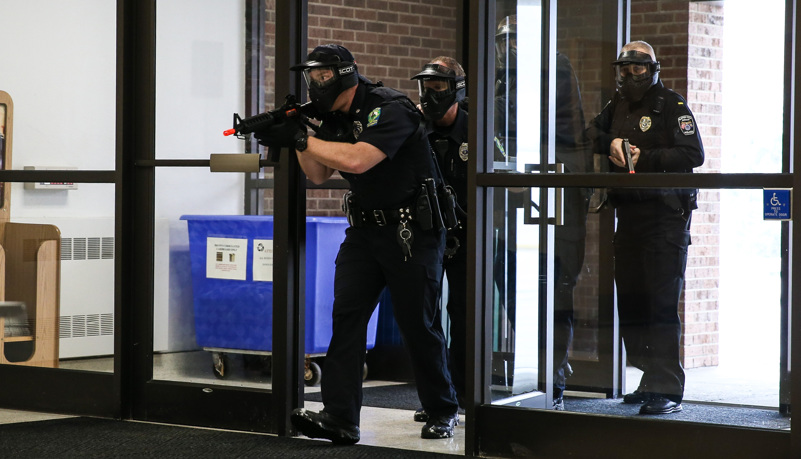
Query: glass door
[[59, 259], [523, 218], [220, 331], [725, 385], [540, 235]]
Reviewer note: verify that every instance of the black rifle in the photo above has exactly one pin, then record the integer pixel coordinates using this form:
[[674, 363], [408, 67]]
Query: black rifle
[[245, 126]]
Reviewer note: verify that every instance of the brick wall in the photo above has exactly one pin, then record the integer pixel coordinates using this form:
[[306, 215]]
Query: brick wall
[[704, 84], [686, 37], [578, 35], [390, 40]]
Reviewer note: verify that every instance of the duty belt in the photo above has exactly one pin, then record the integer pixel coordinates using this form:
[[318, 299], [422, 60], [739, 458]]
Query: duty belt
[[381, 217]]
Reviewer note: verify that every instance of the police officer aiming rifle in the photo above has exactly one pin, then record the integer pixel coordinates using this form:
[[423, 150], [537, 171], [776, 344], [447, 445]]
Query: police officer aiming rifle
[[375, 138]]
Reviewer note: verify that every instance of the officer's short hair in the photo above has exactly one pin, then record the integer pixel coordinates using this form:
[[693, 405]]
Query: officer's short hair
[[451, 63]]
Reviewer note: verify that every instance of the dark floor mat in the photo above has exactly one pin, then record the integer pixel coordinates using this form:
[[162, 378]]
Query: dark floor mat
[[397, 396], [692, 412], [404, 396], [84, 437]]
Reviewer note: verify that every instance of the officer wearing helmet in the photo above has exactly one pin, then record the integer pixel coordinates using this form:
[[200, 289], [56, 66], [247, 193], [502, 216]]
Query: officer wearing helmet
[[442, 90], [375, 138], [505, 139], [653, 225]]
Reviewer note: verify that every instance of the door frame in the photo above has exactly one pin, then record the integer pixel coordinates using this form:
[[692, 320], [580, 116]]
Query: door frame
[[227, 407], [494, 430]]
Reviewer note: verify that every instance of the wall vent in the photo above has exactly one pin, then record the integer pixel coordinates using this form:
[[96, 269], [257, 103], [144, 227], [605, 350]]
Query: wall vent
[[87, 248], [85, 325]]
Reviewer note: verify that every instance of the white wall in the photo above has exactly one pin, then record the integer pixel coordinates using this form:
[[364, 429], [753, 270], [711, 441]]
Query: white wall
[[58, 63], [200, 53]]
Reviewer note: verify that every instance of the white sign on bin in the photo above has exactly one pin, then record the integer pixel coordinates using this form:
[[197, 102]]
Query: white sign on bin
[[226, 258], [262, 260]]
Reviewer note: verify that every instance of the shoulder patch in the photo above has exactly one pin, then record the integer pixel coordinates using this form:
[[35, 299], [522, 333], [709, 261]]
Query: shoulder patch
[[372, 118], [687, 124]]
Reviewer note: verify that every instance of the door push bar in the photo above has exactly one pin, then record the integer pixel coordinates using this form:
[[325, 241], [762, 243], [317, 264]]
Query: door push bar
[[532, 207]]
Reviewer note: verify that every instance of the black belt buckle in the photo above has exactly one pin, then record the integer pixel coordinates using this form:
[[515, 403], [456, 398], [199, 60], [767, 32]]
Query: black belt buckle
[[380, 219]]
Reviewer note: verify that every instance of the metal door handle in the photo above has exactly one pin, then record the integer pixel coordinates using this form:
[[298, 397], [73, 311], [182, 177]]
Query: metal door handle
[[558, 218]]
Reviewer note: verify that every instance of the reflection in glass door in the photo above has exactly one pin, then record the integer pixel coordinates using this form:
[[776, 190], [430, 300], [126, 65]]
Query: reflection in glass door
[[717, 302], [522, 237]]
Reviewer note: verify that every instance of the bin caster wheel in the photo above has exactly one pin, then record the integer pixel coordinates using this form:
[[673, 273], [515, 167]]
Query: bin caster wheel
[[313, 374], [219, 364], [364, 372]]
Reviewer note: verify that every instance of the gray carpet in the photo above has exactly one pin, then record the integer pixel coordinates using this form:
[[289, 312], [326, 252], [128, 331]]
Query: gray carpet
[[404, 396], [396, 396], [104, 438], [693, 412]]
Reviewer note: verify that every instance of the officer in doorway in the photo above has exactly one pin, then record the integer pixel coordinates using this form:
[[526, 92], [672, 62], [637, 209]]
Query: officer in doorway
[[442, 94], [653, 225], [374, 136]]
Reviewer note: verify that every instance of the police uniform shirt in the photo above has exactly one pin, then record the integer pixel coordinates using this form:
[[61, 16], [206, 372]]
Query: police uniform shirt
[[387, 120], [452, 157], [660, 125], [663, 128]]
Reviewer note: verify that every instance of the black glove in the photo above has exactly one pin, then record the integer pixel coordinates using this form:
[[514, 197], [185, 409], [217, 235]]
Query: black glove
[[283, 134], [335, 127]]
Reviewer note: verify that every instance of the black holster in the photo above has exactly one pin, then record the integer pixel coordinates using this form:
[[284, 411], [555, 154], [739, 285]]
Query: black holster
[[448, 205], [352, 209], [436, 206]]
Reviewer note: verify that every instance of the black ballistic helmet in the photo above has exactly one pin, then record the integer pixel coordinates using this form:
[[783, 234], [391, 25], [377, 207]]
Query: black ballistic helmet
[[344, 74], [506, 43], [631, 86]]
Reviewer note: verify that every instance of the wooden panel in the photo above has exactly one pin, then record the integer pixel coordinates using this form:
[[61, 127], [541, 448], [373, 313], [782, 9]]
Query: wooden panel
[[32, 267], [6, 128]]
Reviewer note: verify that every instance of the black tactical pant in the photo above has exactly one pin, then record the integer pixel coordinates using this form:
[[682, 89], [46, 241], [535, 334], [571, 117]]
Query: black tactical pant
[[369, 259], [569, 245], [456, 270], [650, 259]]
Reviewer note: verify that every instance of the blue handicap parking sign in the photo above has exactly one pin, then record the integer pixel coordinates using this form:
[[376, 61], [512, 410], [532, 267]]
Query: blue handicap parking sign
[[777, 203]]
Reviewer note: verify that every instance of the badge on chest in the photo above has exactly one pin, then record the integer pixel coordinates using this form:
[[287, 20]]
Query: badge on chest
[[645, 123]]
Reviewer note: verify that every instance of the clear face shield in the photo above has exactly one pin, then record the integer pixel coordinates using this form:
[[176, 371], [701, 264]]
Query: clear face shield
[[506, 50], [441, 87], [635, 73], [326, 82], [321, 77], [438, 95]]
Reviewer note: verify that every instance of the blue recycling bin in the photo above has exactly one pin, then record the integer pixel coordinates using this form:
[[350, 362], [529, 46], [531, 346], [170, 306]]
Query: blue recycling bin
[[232, 289]]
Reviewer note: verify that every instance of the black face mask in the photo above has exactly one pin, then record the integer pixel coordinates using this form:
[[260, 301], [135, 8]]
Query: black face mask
[[634, 87], [436, 104], [324, 95], [323, 99]]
